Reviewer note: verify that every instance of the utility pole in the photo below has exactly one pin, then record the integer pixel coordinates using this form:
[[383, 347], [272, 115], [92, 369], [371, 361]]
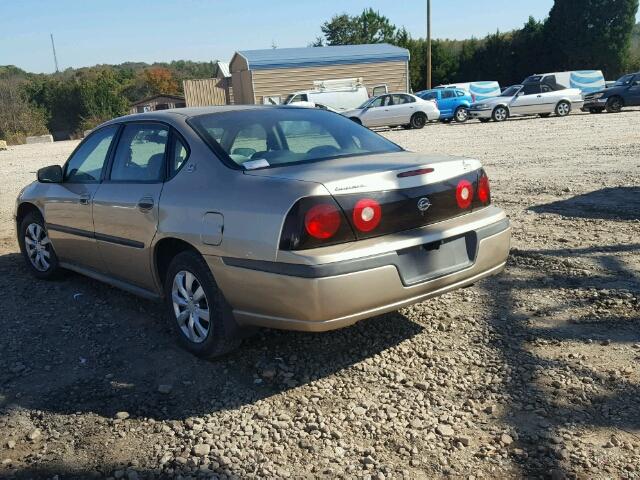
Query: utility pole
[[55, 58], [428, 44]]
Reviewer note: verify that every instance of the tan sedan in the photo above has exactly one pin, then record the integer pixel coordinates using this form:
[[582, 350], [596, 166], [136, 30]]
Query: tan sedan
[[282, 217]]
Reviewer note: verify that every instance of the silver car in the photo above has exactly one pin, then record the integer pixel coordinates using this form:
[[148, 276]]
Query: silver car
[[394, 109], [528, 99], [282, 217]]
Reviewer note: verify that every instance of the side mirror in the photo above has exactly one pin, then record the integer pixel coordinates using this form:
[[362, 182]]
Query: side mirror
[[50, 174]]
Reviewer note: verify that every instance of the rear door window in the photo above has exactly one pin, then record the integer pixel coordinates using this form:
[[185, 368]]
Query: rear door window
[[531, 89], [140, 153], [448, 94]]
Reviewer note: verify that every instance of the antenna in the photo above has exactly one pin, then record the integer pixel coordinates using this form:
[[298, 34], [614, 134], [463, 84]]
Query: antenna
[[55, 58]]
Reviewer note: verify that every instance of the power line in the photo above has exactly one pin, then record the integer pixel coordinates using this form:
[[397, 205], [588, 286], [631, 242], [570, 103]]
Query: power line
[[428, 44]]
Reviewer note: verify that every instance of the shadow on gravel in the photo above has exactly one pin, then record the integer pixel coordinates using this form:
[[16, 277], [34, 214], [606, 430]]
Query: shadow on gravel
[[616, 203], [540, 408], [77, 345]]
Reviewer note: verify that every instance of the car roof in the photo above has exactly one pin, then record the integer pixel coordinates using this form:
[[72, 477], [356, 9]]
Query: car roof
[[189, 112]]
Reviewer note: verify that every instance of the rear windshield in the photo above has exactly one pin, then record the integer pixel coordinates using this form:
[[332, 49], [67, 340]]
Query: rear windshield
[[261, 138]]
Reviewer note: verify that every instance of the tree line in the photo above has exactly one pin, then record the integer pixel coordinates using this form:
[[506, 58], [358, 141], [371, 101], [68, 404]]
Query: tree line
[[69, 102], [577, 35]]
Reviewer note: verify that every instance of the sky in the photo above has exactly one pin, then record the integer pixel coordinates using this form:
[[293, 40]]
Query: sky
[[90, 32]]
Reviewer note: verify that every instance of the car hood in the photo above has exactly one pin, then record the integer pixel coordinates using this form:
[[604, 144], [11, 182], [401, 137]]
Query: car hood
[[367, 173]]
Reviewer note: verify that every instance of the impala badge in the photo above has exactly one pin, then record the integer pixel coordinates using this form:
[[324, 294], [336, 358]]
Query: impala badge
[[424, 204]]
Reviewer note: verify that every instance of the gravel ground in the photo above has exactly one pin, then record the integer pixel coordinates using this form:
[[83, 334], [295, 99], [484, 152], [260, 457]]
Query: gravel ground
[[534, 373]]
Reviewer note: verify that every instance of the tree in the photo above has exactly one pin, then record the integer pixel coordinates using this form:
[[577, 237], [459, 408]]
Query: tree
[[368, 27], [18, 118], [582, 34]]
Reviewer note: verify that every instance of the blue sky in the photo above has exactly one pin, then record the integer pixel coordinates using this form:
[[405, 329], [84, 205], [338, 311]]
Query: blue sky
[[89, 32]]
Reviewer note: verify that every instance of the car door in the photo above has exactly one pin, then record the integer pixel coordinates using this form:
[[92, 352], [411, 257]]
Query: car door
[[374, 114], [526, 101], [125, 207], [400, 109], [548, 99], [68, 208], [633, 97], [447, 103]]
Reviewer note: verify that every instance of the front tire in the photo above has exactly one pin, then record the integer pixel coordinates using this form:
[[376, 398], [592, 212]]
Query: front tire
[[36, 247], [614, 105], [500, 114], [201, 316], [563, 108], [418, 120], [461, 114]]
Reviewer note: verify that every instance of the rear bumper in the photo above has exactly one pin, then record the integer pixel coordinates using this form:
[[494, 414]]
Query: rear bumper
[[330, 296]]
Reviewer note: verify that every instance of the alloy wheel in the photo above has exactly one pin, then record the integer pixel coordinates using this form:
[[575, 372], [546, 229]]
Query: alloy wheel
[[190, 306], [563, 109], [500, 114], [462, 114], [38, 247]]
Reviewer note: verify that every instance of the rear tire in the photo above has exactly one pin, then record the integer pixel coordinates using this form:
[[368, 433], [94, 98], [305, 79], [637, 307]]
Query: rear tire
[[36, 247], [563, 108], [418, 120], [461, 114], [202, 318], [500, 114], [614, 105]]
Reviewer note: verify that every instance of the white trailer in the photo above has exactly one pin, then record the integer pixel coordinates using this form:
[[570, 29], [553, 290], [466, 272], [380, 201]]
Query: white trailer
[[586, 81]]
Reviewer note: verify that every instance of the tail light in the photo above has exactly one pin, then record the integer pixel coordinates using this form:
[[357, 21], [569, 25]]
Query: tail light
[[484, 191], [315, 222], [367, 214], [464, 194], [322, 221]]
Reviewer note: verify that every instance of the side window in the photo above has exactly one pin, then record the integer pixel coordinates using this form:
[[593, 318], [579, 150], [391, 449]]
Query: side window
[[448, 94], [179, 155], [140, 154], [545, 89], [85, 165], [460, 93], [531, 89], [377, 102], [429, 96]]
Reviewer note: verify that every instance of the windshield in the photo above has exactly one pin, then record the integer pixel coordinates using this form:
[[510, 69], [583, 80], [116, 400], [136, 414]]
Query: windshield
[[259, 138], [624, 81], [511, 91], [367, 102]]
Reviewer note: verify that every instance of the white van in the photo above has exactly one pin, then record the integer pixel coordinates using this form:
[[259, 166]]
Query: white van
[[586, 81], [339, 95]]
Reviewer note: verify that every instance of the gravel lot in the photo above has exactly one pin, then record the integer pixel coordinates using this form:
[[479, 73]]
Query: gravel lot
[[535, 373]]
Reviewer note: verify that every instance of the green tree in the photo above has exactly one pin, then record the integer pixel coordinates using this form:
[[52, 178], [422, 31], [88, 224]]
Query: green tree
[[584, 34], [18, 117], [368, 27]]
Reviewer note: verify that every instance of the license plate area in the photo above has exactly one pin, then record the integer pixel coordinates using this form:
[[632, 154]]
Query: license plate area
[[436, 259]]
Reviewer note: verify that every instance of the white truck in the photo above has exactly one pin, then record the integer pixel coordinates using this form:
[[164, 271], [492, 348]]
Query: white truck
[[339, 95], [587, 81]]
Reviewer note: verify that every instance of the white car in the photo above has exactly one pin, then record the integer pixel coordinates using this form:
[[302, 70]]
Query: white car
[[528, 99], [395, 109]]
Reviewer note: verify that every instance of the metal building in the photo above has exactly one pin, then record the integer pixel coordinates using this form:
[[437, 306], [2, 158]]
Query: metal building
[[210, 91], [258, 75]]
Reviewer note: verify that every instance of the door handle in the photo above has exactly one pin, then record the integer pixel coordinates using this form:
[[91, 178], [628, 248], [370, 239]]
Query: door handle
[[145, 204], [84, 199]]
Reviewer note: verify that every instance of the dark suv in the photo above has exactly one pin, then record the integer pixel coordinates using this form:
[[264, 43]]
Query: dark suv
[[624, 93]]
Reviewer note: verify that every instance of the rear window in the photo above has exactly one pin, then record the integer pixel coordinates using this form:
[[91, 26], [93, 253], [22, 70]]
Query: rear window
[[260, 138]]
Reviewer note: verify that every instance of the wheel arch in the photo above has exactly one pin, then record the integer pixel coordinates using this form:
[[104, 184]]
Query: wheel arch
[[24, 209], [166, 250]]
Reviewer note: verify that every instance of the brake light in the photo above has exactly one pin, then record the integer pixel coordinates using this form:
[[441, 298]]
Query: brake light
[[367, 214], [464, 194], [322, 221], [484, 190]]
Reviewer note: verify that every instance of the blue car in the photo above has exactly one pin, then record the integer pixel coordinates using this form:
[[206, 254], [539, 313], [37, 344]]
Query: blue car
[[453, 103]]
